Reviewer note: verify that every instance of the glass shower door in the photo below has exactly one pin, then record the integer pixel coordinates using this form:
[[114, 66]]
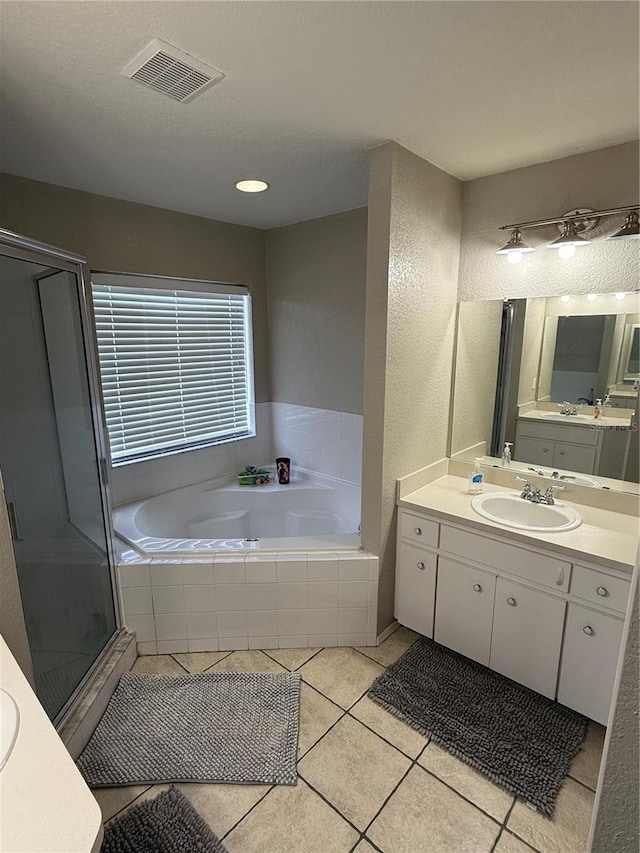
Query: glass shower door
[[51, 470]]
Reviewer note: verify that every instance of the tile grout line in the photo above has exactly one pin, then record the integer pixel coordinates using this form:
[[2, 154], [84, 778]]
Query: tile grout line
[[248, 812]]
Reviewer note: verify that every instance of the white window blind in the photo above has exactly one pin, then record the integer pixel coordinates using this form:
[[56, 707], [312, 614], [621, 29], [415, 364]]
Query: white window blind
[[175, 365]]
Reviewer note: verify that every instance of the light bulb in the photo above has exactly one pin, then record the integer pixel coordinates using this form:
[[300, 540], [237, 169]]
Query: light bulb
[[252, 185], [565, 298], [620, 295], [567, 251], [592, 297], [514, 257]]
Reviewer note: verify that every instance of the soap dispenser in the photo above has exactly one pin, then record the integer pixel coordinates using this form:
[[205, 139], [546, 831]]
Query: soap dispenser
[[597, 411], [475, 479], [506, 454], [607, 401]]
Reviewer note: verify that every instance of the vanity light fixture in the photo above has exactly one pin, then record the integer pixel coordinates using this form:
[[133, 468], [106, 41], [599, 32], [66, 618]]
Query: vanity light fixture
[[515, 248], [573, 225], [631, 228], [565, 298], [592, 297], [620, 295], [252, 185]]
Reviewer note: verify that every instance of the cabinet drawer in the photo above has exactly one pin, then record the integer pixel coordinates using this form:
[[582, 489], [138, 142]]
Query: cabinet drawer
[[418, 529], [415, 588], [599, 588], [589, 658], [557, 431], [540, 568], [464, 609]]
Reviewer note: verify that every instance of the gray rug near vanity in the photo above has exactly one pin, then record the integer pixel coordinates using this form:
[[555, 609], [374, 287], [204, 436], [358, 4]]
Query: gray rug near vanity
[[514, 736]]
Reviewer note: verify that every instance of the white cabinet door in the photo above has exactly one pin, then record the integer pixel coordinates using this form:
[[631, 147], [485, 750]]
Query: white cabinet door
[[464, 609], [527, 635], [589, 659], [415, 588], [575, 457], [535, 451]]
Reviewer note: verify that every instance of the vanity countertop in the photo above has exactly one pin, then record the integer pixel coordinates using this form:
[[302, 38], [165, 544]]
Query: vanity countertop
[[46, 804], [621, 421], [604, 538]]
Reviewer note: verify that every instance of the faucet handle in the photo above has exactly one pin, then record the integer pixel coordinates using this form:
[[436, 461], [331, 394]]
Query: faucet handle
[[526, 483], [551, 489]]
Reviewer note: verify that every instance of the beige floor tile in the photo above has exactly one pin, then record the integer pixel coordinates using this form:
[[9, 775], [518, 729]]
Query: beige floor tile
[[586, 764], [364, 847], [424, 816], [341, 674], [354, 769], [292, 820], [394, 646], [389, 727], [317, 714], [508, 843], [467, 781], [292, 658], [567, 831], [247, 661], [199, 661], [158, 665], [222, 806], [113, 800]]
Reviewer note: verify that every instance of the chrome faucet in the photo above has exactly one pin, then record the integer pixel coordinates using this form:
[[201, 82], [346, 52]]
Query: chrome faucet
[[529, 494], [567, 409], [547, 497]]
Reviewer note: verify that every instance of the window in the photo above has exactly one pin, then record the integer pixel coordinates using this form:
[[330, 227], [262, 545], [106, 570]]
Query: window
[[175, 363]]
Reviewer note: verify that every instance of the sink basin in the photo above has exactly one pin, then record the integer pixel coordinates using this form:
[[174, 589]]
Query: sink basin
[[9, 725], [513, 511], [556, 416]]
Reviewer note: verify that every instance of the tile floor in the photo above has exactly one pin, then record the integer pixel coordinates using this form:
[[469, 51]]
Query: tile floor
[[367, 781]]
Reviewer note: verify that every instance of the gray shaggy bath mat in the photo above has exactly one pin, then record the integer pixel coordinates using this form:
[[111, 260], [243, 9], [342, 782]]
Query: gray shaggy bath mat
[[166, 824], [518, 738], [209, 727]]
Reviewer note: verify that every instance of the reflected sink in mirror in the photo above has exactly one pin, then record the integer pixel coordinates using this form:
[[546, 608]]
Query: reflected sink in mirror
[[567, 477], [511, 510], [9, 725], [556, 416]]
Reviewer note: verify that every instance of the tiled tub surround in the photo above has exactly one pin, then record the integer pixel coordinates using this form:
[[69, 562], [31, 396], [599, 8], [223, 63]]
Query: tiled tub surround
[[320, 440], [252, 601], [312, 512]]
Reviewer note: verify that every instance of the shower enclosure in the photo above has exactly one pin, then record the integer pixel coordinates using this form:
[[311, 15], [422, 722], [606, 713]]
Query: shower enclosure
[[53, 468]]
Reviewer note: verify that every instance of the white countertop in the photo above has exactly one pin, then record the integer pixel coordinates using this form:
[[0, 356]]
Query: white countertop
[[622, 421], [45, 804], [604, 537]]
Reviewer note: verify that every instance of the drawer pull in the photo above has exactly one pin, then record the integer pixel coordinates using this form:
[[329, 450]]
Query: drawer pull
[[511, 601], [560, 580], [420, 566], [477, 587], [602, 591], [588, 630], [545, 449], [417, 531], [562, 452]]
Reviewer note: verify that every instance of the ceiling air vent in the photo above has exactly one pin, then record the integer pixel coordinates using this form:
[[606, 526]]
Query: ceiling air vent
[[166, 69]]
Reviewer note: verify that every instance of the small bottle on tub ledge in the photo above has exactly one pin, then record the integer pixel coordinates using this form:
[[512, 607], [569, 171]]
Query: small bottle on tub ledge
[[283, 468]]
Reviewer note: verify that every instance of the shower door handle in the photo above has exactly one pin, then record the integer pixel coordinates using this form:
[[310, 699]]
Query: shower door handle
[[13, 521]]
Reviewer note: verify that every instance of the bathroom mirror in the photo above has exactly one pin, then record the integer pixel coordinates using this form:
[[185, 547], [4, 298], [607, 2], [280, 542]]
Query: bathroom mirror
[[530, 372]]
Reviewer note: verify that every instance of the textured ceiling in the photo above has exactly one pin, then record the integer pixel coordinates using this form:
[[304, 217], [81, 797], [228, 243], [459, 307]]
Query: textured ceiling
[[474, 87]]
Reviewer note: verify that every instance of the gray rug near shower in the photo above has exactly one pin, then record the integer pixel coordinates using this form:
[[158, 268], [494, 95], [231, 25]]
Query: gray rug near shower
[[166, 824], [518, 738], [209, 727]]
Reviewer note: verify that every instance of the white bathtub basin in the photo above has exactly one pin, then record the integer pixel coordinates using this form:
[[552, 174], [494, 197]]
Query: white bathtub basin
[[9, 725], [511, 510]]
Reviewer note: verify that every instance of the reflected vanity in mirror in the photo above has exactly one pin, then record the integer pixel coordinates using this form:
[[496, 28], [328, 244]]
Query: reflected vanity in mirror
[[531, 372]]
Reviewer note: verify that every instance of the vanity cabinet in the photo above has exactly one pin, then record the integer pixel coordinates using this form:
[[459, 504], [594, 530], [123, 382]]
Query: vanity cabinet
[[527, 636], [531, 615], [570, 447]]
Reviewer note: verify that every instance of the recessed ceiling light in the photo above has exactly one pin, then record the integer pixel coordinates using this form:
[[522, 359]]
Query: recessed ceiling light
[[252, 186]]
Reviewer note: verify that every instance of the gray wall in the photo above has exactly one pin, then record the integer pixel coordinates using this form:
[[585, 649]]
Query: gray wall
[[119, 236], [412, 266], [316, 274], [599, 180]]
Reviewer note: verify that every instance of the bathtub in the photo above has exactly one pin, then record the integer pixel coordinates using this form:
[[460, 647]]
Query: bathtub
[[312, 513]]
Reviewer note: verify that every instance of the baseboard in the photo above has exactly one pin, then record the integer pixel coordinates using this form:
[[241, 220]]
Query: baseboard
[[388, 632]]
